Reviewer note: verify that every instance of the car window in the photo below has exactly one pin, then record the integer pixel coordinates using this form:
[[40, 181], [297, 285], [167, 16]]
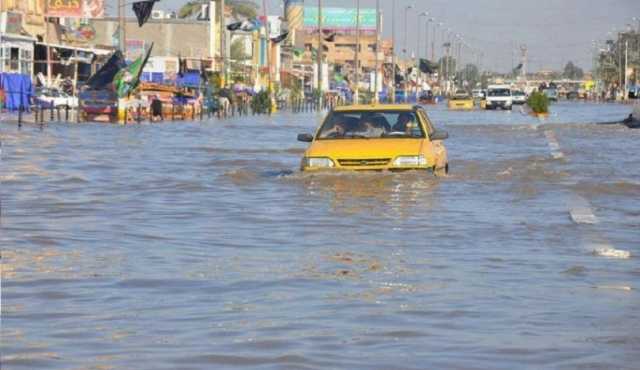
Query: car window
[[499, 92], [427, 121], [370, 125]]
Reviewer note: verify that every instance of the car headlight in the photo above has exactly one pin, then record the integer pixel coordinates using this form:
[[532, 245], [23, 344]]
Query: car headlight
[[409, 161], [317, 162]]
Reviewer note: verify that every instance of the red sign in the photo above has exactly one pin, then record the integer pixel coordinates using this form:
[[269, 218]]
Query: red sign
[[64, 8]]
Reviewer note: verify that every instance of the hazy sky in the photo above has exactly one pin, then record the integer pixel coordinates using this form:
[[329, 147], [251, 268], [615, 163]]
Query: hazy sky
[[554, 31]]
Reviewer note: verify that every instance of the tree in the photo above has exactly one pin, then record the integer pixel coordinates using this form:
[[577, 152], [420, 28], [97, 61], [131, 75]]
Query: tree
[[572, 72], [239, 8], [469, 73], [237, 50]]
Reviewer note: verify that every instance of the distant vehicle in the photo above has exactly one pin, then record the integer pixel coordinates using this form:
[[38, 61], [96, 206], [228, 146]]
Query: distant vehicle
[[376, 137], [551, 93], [427, 98], [478, 94], [499, 96], [573, 95], [519, 97], [461, 100], [48, 97]]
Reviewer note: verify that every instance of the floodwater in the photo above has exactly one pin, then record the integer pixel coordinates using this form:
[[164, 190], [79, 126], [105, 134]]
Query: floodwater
[[201, 246]]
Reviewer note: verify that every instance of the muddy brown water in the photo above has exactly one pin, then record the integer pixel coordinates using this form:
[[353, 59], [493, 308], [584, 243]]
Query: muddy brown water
[[200, 246]]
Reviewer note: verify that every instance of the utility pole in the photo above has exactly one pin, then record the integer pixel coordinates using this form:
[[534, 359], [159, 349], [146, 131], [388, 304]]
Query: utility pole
[[426, 35], [356, 95], [419, 43], [376, 97], [393, 54], [223, 45], [626, 76], [405, 51], [46, 40], [122, 39], [523, 71], [320, 49], [268, 35]]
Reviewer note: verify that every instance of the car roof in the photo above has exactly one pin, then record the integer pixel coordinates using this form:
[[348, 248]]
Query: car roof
[[375, 107]]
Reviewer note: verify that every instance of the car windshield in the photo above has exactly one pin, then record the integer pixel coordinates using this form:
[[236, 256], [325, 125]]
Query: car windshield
[[518, 93], [499, 92], [371, 125]]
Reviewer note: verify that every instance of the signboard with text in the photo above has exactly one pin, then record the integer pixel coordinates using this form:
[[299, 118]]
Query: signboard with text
[[64, 8], [339, 18]]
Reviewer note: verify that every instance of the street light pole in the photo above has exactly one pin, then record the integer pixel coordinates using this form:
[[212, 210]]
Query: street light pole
[[426, 36], [121, 25], [320, 48], [393, 54], [268, 34], [376, 97], [357, 76], [405, 50], [419, 44]]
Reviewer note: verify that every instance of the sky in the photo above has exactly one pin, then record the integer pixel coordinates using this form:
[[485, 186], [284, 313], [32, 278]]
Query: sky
[[554, 31]]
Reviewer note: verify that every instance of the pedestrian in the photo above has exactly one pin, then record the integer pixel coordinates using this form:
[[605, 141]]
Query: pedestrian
[[156, 109]]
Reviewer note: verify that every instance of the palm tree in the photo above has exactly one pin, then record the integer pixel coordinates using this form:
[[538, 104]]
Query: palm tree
[[240, 8]]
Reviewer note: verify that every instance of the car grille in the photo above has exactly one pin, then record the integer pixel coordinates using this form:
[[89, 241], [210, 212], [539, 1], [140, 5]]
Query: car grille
[[364, 162]]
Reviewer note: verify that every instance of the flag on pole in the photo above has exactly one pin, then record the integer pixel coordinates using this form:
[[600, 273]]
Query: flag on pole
[[128, 78], [279, 39], [427, 66], [234, 26], [143, 9], [104, 76]]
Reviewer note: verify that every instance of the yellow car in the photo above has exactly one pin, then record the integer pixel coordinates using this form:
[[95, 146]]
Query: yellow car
[[376, 137], [461, 101]]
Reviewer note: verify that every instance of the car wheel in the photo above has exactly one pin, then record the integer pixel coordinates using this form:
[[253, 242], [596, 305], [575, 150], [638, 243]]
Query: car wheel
[[443, 171]]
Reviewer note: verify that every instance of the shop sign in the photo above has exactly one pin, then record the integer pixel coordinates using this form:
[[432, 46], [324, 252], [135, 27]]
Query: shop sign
[[65, 8], [11, 22]]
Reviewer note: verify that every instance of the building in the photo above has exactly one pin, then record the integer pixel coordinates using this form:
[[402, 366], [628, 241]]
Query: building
[[21, 25]]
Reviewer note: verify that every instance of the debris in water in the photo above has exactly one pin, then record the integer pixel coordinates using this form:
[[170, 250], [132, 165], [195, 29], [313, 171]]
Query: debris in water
[[583, 215], [610, 252], [615, 287]]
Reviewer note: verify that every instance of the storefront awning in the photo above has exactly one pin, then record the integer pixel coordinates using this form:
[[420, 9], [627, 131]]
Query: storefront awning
[[86, 50]]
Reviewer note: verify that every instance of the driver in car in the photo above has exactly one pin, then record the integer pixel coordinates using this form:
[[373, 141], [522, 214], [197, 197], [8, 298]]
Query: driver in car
[[402, 123]]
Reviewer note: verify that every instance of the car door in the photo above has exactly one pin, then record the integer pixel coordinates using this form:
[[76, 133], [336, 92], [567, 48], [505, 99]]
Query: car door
[[437, 146]]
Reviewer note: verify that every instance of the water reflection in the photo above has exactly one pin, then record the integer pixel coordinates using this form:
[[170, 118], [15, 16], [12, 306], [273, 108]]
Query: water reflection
[[386, 194]]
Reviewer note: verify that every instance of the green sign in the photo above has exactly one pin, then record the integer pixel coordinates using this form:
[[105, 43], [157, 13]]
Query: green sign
[[340, 18]]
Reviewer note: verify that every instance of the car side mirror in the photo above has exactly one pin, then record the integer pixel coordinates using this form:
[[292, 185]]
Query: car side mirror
[[439, 135], [305, 138]]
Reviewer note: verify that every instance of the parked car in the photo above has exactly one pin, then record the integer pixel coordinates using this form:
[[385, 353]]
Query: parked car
[[51, 97], [519, 97], [478, 94], [376, 137]]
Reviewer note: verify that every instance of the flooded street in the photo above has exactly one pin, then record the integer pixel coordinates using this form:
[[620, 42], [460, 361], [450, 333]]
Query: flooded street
[[201, 245]]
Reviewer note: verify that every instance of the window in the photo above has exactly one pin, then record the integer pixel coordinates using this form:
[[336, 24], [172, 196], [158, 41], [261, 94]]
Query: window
[[427, 121], [371, 125]]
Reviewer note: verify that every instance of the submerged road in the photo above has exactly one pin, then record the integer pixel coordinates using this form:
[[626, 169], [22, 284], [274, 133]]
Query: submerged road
[[200, 245]]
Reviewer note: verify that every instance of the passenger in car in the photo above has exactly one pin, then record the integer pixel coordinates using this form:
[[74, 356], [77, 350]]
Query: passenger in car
[[403, 120], [368, 128]]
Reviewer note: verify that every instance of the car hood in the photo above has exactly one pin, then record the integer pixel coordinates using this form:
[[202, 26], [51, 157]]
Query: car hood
[[365, 148]]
